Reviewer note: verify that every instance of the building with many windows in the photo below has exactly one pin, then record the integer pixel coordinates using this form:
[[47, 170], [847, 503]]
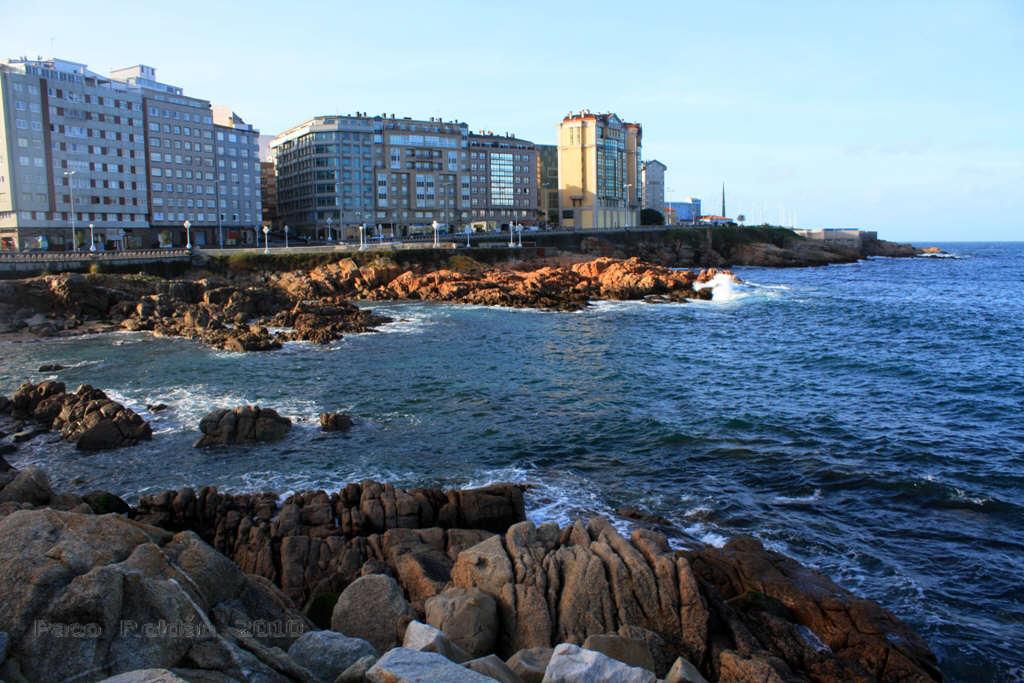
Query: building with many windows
[[131, 156], [502, 181], [599, 171], [547, 181], [71, 154], [654, 185], [400, 175]]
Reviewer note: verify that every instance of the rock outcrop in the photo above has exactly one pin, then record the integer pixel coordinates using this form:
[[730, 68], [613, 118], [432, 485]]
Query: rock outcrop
[[89, 596], [454, 575], [87, 417], [244, 424], [335, 422]]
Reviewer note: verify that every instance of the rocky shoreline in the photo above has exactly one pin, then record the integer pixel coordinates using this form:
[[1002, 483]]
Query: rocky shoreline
[[247, 311], [416, 584]]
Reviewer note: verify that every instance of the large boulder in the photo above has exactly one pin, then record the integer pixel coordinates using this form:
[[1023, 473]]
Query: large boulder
[[335, 422], [492, 667], [244, 424], [30, 485], [105, 595], [402, 665], [466, 615], [373, 608], [329, 653], [426, 638], [531, 663], [573, 664], [627, 650]]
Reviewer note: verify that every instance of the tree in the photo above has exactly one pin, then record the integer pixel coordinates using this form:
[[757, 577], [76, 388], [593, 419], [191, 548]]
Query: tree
[[651, 217]]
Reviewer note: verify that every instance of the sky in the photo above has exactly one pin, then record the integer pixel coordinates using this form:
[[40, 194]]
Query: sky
[[899, 116]]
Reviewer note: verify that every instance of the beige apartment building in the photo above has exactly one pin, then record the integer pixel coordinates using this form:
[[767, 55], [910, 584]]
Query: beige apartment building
[[599, 171]]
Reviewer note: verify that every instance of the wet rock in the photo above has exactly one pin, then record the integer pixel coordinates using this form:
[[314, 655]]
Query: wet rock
[[329, 653], [28, 434], [573, 664], [374, 609], [156, 407], [51, 367], [531, 663], [245, 424], [104, 502], [4, 465], [466, 615], [402, 665], [335, 422]]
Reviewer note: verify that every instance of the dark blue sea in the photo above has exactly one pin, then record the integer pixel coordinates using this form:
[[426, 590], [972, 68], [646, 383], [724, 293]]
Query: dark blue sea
[[865, 419]]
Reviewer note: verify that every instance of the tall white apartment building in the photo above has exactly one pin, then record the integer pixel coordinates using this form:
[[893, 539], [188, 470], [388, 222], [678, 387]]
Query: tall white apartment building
[[71, 154], [133, 157]]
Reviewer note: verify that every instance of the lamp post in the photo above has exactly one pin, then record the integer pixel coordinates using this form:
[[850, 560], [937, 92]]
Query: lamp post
[[266, 239], [435, 226], [329, 221], [519, 231], [362, 237], [286, 237], [511, 234], [468, 231], [188, 234], [625, 196], [71, 188], [92, 239]]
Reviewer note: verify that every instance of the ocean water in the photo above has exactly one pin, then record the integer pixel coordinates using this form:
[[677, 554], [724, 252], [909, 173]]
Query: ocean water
[[864, 418]]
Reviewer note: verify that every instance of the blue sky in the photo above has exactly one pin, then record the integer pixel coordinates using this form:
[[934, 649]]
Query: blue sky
[[906, 117]]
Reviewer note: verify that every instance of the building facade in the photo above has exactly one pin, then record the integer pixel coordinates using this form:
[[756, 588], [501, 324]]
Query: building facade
[[599, 171], [400, 175], [547, 180], [502, 181], [131, 156], [686, 211], [72, 154], [654, 185], [240, 207]]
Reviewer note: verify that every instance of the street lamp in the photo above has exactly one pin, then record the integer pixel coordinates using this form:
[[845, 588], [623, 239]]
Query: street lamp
[[362, 237], [188, 234], [266, 239], [329, 221], [286, 237], [511, 234], [519, 231], [625, 200], [435, 225], [71, 188], [468, 231], [92, 239]]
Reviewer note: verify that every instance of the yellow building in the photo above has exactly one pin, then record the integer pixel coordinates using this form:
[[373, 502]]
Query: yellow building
[[599, 171]]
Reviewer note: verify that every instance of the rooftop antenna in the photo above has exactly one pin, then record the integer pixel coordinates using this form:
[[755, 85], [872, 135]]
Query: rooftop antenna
[[723, 199]]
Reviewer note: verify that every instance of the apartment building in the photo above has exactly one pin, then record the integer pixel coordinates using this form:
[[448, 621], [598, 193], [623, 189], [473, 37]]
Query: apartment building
[[72, 154], [654, 185], [599, 171], [132, 156], [193, 165], [503, 183], [396, 175], [547, 179], [240, 208]]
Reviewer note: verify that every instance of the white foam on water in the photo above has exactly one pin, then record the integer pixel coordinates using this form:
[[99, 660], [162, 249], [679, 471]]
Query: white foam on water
[[723, 288], [811, 498]]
